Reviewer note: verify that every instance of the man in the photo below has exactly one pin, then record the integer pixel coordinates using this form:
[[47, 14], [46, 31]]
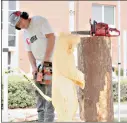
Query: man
[[39, 40]]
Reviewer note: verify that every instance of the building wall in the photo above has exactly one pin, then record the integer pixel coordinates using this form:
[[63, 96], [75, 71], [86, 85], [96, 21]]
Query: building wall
[[57, 12]]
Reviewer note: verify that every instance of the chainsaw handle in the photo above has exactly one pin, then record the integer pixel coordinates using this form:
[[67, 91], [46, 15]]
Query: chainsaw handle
[[114, 29], [45, 64]]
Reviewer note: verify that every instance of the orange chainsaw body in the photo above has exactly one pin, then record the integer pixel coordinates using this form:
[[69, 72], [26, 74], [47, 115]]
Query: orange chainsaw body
[[44, 75]]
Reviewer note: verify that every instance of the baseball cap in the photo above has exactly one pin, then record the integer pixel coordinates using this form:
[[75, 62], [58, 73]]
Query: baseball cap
[[14, 18]]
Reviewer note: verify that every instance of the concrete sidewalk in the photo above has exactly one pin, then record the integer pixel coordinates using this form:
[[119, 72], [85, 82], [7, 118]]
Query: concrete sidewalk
[[20, 115]]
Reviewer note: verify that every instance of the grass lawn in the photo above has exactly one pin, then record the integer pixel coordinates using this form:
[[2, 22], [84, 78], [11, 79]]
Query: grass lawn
[[123, 81]]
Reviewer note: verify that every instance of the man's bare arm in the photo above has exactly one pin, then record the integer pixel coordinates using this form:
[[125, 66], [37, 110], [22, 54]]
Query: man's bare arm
[[50, 46], [31, 59]]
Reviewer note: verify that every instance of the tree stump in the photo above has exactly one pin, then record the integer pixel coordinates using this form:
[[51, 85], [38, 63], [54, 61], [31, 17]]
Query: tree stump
[[94, 60]]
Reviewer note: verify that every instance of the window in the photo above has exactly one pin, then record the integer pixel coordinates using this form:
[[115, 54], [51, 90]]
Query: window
[[97, 13], [103, 13], [11, 30], [109, 15]]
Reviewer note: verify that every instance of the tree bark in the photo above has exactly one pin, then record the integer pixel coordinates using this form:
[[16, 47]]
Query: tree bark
[[94, 60]]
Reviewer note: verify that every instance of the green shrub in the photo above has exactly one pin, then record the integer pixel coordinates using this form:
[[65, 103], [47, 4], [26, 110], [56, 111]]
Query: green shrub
[[20, 93], [121, 72], [123, 88]]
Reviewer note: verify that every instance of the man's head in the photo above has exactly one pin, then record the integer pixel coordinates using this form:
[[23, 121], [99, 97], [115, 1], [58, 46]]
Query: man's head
[[20, 20]]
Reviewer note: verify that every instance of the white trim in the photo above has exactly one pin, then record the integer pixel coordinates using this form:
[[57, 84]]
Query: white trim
[[113, 26], [12, 34], [77, 16], [71, 15], [8, 10], [17, 40], [5, 29], [12, 49], [72, 25], [5, 60]]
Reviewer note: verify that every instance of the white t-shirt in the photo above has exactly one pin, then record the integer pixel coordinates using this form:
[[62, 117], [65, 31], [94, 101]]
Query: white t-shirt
[[34, 37]]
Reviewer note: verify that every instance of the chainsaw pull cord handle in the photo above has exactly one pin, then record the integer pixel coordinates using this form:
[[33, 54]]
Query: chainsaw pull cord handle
[[46, 64]]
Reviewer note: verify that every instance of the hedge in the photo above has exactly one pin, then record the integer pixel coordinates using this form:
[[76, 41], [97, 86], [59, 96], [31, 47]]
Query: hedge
[[123, 88], [121, 72], [20, 93]]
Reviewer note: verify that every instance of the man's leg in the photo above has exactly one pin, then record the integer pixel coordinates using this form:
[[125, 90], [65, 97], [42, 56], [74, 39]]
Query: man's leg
[[40, 103], [49, 109]]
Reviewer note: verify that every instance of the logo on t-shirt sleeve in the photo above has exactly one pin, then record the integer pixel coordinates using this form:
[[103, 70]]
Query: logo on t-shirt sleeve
[[28, 41]]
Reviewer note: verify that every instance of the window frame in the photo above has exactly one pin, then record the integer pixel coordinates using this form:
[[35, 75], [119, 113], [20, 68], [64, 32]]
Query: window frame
[[10, 10], [102, 6]]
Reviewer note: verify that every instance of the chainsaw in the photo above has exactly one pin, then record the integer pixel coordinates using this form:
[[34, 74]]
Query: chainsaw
[[99, 29], [44, 73]]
